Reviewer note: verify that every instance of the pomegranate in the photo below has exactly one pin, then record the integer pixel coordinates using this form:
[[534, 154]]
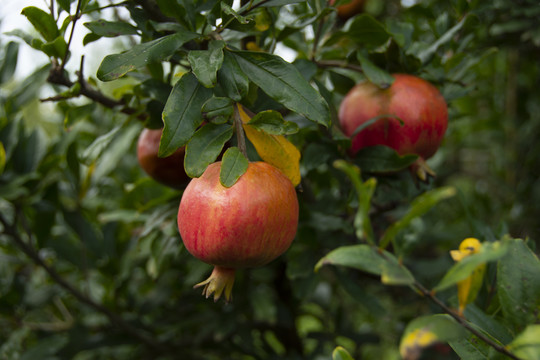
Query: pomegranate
[[247, 225], [412, 100], [168, 171], [349, 9]]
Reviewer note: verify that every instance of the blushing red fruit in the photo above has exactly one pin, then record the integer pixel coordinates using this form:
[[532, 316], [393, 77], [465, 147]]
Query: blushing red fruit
[[350, 9], [169, 170], [247, 225], [415, 101]]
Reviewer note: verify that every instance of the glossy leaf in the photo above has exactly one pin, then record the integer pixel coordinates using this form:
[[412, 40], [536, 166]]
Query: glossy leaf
[[272, 122], [489, 251], [419, 206], [382, 159], [182, 113], [205, 146], [375, 74], [117, 65], [428, 330], [111, 28], [518, 284], [232, 79], [233, 166], [274, 149], [340, 353], [284, 83], [218, 109], [42, 21], [206, 63], [369, 259], [470, 348]]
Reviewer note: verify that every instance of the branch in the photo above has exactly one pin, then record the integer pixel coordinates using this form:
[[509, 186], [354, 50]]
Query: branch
[[115, 319], [58, 76], [463, 322], [75, 18]]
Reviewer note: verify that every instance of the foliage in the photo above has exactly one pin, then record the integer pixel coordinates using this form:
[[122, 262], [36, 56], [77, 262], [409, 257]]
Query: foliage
[[92, 265]]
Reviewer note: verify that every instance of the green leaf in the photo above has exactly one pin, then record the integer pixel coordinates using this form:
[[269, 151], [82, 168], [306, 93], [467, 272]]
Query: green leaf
[[367, 31], [382, 159], [364, 192], [229, 11], [426, 54], [419, 206], [518, 284], [205, 146], [117, 65], [375, 74], [428, 330], [284, 83], [369, 259], [9, 62], [232, 79], [56, 48], [470, 348], [93, 152], [526, 345], [340, 353], [218, 109], [233, 166], [273, 123], [42, 21], [489, 251], [111, 28], [2, 158], [206, 63], [182, 113]]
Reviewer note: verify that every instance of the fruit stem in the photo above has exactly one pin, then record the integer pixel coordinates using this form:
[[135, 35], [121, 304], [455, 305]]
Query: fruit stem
[[240, 136], [220, 281]]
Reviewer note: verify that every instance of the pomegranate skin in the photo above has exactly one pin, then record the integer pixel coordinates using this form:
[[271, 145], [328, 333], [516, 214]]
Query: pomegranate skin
[[246, 225], [413, 100], [168, 171], [350, 9]]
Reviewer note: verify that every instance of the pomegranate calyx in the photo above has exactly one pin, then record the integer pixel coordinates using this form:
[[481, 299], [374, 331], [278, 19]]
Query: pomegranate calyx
[[220, 281], [422, 170]]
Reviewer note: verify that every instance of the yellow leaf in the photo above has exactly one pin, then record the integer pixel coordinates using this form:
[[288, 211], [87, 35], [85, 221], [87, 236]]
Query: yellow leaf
[[274, 149], [468, 288], [412, 345]]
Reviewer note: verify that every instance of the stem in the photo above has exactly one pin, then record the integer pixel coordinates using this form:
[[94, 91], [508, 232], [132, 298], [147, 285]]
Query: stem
[[317, 38], [463, 322], [64, 60], [337, 63], [240, 135], [114, 318]]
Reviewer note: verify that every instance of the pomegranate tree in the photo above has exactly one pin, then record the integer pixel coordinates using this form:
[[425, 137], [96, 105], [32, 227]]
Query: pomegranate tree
[[169, 170], [410, 100], [246, 225]]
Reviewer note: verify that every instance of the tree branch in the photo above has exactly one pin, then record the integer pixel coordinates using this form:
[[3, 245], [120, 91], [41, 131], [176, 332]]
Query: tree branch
[[115, 319], [58, 76], [463, 322]]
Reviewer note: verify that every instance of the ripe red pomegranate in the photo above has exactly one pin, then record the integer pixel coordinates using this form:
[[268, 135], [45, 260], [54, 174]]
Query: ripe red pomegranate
[[246, 225], [349, 9], [416, 102], [168, 171]]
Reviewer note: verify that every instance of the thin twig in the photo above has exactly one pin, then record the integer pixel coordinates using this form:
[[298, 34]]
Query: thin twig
[[115, 319], [463, 322], [64, 60]]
